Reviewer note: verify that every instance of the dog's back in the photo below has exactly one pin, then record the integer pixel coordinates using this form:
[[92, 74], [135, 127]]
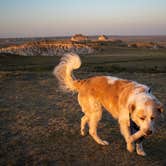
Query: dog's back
[[105, 90]]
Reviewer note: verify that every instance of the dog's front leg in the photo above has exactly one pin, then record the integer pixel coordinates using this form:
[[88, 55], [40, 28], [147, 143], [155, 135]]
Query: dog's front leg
[[139, 149], [136, 136], [125, 130]]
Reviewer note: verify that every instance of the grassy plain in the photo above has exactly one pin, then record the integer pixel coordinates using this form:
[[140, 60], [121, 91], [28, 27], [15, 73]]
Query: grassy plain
[[40, 125]]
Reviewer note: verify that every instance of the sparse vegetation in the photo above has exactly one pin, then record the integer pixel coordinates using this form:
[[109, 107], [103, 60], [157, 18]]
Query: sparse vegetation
[[37, 126]]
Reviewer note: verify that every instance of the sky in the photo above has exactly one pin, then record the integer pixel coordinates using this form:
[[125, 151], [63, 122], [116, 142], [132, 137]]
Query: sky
[[42, 18]]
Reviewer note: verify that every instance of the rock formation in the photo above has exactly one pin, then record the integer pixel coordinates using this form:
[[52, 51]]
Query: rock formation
[[47, 49], [102, 38], [79, 38]]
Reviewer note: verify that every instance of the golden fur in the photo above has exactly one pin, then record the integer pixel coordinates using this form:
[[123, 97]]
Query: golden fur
[[123, 99]]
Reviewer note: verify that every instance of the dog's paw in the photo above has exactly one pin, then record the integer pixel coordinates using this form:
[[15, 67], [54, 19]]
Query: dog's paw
[[103, 142], [141, 153], [130, 147], [139, 150], [83, 133]]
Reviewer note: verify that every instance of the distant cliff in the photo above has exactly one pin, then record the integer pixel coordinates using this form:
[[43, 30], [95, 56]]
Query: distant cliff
[[44, 48]]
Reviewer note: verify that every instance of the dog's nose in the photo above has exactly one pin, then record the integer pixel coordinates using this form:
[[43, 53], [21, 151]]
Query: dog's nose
[[149, 132]]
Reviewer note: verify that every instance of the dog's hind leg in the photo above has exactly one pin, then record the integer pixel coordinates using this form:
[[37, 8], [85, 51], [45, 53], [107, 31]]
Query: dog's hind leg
[[84, 121], [85, 107], [93, 113], [93, 122]]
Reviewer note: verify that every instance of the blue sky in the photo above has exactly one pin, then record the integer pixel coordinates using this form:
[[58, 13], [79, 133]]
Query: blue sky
[[30, 18]]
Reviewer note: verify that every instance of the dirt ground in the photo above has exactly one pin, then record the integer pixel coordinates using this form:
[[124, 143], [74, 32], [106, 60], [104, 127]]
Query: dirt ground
[[40, 125]]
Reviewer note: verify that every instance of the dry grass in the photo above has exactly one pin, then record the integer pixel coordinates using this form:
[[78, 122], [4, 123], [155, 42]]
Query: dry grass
[[40, 124]]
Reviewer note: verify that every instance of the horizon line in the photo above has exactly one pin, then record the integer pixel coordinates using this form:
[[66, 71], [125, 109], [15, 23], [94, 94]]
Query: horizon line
[[67, 36]]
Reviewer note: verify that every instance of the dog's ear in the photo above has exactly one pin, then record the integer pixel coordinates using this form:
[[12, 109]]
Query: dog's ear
[[131, 107], [160, 108]]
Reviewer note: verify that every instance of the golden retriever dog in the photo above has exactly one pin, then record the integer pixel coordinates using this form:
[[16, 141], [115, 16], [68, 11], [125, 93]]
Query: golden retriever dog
[[127, 101]]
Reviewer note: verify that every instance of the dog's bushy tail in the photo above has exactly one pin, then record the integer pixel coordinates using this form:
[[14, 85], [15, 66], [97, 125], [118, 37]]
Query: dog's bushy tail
[[63, 71]]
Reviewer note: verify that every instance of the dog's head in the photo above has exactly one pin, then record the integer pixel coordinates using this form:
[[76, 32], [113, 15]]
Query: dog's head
[[144, 110]]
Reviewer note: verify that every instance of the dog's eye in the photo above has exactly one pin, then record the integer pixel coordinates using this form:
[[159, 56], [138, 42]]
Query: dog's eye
[[142, 118]]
